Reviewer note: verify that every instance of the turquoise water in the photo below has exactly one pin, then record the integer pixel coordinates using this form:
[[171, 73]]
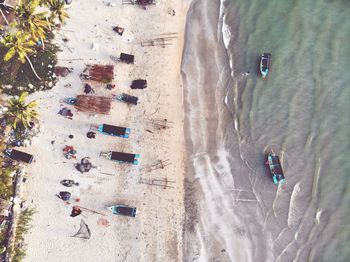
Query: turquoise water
[[302, 111]]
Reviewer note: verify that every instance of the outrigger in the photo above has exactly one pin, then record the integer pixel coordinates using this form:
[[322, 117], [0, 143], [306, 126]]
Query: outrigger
[[265, 63], [111, 130], [123, 210], [275, 168], [121, 157]]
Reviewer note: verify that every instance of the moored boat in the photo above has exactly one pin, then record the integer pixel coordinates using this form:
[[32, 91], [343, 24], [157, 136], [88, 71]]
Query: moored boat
[[275, 168], [265, 63], [123, 210]]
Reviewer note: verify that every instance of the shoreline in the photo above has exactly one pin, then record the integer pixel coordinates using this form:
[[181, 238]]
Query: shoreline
[[152, 235]]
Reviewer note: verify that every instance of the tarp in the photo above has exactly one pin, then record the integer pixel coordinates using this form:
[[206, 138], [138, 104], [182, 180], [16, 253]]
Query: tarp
[[100, 73], [93, 104]]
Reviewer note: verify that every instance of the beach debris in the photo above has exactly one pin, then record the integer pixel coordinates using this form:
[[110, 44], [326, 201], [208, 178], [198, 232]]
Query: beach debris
[[157, 182], [103, 222], [69, 152], [69, 183], [70, 136], [90, 134], [64, 195], [143, 3], [139, 84], [62, 70], [68, 2], [84, 165], [76, 211], [171, 12], [95, 46], [67, 113], [119, 30], [159, 124], [84, 231], [99, 73]]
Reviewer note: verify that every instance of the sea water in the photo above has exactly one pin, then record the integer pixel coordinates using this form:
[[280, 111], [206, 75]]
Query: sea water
[[301, 111]]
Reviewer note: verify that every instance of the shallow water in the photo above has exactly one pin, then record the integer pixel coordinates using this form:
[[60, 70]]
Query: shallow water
[[235, 213]]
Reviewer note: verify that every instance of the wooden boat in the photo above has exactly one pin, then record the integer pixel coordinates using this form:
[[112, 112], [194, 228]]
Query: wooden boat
[[121, 157], [127, 99], [265, 63], [275, 168], [123, 210]]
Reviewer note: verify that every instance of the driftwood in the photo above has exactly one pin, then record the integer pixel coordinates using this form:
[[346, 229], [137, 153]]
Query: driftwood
[[93, 104]]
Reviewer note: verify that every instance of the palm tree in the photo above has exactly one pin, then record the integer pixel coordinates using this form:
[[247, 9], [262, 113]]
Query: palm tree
[[27, 20], [19, 44], [57, 8], [20, 114]]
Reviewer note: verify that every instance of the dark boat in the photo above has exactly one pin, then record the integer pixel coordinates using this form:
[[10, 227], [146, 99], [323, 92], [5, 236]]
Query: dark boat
[[126, 58], [121, 157], [275, 168], [114, 130], [19, 155], [265, 63], [123, 210], [128, 99], [139, 84]]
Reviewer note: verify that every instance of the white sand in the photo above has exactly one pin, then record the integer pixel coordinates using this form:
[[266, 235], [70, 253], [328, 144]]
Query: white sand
[[156, 232]]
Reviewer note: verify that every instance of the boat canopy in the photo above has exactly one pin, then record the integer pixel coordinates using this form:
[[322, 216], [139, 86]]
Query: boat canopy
[[126, 58], [20, 156], [125, 157], [139, 84], [113, 130]]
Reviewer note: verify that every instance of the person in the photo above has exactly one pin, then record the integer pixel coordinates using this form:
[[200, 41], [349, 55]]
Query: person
[[76, 211], [64, 195]]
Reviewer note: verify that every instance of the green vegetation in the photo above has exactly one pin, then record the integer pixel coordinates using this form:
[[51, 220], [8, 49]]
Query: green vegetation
[[27, 61], [27, 48], [23, 225], [19, 114]]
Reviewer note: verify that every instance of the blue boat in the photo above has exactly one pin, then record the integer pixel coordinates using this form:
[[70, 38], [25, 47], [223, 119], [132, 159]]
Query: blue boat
[[121, 157], [265, 63], [114, 130], [123, 210], [275, 168]]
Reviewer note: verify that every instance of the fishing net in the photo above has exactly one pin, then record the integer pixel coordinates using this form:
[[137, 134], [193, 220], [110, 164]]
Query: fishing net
[[84, 231]]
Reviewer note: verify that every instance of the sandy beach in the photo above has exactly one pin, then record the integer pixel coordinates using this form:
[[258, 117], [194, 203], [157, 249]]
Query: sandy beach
[[156, 232]]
